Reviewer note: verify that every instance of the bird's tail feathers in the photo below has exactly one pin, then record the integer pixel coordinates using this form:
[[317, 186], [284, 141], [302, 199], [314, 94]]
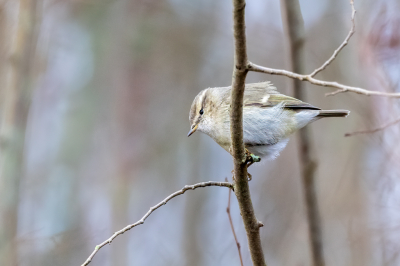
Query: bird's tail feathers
[[333, 113]]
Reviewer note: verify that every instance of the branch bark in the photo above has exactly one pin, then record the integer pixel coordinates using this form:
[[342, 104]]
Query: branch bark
[[294, 25], [341, 88], [242, 191]]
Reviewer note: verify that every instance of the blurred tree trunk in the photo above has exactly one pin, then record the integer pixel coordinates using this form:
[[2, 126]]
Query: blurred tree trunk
[[3, 47], [17, 98], [294, 27]]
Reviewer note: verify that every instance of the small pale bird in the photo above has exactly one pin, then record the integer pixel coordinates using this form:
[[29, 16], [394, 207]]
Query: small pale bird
[[268, 117]]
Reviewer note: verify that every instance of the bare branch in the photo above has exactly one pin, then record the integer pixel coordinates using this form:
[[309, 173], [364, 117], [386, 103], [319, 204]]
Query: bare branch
[[310, 78], [242, 190], [352, 30], [370, 131], [152, 209], [340, 87], [228, 211]]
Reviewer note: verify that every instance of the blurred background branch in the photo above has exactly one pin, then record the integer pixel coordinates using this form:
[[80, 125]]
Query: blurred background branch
[[228, 211], [18, 80], [370, 131], [292, 20]]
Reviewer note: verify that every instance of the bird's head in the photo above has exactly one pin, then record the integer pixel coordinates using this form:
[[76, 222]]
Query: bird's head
[[198, 111]]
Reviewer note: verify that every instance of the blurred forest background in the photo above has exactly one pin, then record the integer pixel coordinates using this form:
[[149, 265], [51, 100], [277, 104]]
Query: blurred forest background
[[94, 105]]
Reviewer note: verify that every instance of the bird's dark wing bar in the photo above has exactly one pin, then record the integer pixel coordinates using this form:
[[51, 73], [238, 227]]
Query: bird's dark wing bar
[[301, 107], [247, 144]]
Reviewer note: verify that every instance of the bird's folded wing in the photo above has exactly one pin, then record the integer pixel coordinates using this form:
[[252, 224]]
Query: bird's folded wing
[[265, 100]]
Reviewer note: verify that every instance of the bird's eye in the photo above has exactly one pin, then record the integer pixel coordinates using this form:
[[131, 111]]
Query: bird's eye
[[201, 111]]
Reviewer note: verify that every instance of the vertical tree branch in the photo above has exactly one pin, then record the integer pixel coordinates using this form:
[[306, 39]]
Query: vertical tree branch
[[293, 21], [242, 190]]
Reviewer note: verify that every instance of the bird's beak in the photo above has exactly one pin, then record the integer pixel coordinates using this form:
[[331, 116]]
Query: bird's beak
[[193, 130]]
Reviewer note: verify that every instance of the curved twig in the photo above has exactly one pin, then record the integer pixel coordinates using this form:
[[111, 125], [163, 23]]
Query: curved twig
[[370, 131], [310, 78], [152, 209], [344, 43]]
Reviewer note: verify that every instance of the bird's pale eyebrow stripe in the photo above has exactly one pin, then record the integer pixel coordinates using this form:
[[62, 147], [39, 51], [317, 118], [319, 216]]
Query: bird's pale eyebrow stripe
[[204, 100]]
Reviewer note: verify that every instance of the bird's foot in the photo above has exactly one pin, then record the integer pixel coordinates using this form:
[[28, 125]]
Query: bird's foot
[[249, 176], [255, 158], [251, 158]]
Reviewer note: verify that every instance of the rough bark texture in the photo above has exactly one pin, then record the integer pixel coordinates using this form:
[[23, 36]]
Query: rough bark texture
[[293, 21], [242, 190]]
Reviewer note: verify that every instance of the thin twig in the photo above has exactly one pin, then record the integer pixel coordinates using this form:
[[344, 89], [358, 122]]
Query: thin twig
[[344, 43], [228, 211], [341, 88], [152, 209], [370, 131], [310, 78]]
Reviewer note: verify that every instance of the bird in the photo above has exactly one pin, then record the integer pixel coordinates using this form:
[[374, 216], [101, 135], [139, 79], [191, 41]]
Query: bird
[[269, 118]]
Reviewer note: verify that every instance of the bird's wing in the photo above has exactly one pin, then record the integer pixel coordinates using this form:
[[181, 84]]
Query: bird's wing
[[264, 95]]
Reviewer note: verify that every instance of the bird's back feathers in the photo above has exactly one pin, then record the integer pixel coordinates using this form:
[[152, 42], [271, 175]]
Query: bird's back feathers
[[265, 95]]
